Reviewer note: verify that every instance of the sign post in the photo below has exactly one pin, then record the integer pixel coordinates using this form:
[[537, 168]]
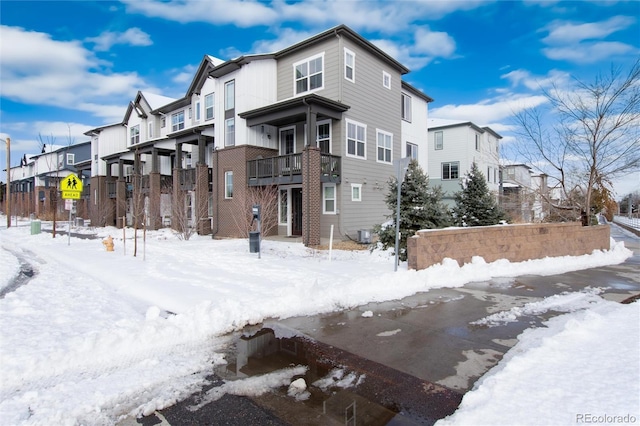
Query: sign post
[[71, 188]]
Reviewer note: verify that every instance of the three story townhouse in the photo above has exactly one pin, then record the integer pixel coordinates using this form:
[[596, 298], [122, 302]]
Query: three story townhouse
[[322, 121], [453, 147], [35, 182]]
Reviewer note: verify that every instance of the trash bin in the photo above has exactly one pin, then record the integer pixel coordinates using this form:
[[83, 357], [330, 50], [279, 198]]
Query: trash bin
[[35, 227], [254, 242]]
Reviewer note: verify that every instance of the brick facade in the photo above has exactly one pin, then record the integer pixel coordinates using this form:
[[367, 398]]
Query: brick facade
[[311, 196], [516, 243]]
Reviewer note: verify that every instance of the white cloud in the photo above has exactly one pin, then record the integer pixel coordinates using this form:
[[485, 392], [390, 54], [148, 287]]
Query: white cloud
[[488, 111], [132, 37], [526, 79], [589, 52], [434, 43], [584, 43], [242, 13], [35, 69], [561, 32]]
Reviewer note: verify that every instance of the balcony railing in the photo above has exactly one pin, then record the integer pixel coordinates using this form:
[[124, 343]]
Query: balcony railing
[[285, 169]]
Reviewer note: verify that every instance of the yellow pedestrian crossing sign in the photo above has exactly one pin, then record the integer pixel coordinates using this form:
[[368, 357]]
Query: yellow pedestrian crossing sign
[[71, 187]]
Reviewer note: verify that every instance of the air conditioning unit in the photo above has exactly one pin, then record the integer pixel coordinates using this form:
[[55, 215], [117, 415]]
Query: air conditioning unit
[[364, 236]]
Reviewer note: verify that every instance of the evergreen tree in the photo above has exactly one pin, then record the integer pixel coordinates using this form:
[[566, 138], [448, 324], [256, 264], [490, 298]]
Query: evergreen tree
[[421, 207], [475, 206]]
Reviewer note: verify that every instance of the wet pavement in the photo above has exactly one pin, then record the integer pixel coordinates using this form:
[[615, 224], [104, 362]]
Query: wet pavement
[[402, 362]]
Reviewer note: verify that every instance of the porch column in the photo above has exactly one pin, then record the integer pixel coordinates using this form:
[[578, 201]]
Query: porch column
[[311, 195], [155, 221], [121, 195], [202, 199]]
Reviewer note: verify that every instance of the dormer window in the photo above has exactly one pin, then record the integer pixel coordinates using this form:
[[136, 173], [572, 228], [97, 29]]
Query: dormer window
[[177, 121], [134, 134]]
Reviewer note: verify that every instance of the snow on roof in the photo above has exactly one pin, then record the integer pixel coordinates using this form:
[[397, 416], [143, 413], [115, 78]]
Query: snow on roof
[[215, 61], [156, 101], [440, 122]]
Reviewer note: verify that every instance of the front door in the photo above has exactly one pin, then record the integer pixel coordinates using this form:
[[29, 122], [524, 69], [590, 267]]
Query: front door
[[296, 211]]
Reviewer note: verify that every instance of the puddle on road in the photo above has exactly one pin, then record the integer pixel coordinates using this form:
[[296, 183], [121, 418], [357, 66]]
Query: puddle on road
[[342, 388]]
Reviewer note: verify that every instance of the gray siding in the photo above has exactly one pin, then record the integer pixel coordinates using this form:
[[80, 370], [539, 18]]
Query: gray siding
[[372, 105]]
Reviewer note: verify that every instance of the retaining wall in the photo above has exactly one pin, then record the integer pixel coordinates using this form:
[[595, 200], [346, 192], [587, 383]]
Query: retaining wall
[[513, 242]]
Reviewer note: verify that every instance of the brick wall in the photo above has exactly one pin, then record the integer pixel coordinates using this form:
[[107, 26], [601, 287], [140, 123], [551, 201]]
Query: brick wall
[[513, 242], [311, 196]]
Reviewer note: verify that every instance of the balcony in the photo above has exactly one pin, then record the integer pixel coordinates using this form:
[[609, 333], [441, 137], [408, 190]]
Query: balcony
[[287, 169]]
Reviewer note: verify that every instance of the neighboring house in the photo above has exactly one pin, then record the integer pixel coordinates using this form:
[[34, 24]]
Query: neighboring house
[[453, 147], [322, 121], [34, 183], [518, 194]]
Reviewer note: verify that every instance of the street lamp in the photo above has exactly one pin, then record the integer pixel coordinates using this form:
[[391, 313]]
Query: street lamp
[[7, 203]]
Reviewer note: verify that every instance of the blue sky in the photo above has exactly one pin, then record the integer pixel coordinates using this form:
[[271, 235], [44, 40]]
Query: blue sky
[[66, 67]]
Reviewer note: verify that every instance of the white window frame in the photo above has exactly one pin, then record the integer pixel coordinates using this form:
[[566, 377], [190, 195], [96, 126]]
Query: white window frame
[[438, 144], [349, 53], [198, 111], [163, 121], [406, 107], [387, 145], [356, 192], [357, 141], [325, 199], [230, 95], [412, 150], [230, 132], [386, 80], [477, 142], [449, 164], [209, 108], [134, 134], [322, 123], [228, 185], [283, 207], [309, 75], [150, 132], [177, 125], [71, 159]]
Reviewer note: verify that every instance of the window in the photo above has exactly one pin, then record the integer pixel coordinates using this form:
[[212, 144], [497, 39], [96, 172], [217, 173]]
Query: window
[[406, 107], [177, 121], [438, 140], [134, 133], [385, 146], [356, 192], [230, 132], [488, 174], [308, 74], [228, 185], [386, 79], [412, 150], [450, 170], [163, 122], [283, 207], [356, 139], [198, 111], [150, 134], [323, 136], [71, 159], [208, 106], [329, 198], [190, 113], [477, 142], [229, 95], [349, 65]]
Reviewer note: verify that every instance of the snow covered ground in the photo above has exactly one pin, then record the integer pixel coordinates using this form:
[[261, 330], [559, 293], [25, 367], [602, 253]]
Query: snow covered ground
[[96, 336]]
